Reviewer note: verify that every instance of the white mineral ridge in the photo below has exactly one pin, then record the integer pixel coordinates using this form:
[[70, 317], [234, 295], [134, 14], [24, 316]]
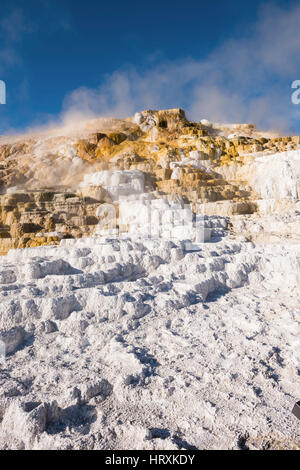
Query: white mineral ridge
[[163, 218], [277, 176], [137, 343], [116, 183], [194, 160]]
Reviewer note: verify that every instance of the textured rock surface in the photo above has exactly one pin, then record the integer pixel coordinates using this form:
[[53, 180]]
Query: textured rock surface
[[167, 315], [139, 343], [54, 182]]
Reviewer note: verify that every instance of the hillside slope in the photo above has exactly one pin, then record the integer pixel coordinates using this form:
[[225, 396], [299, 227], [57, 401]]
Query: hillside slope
[[165, 315]]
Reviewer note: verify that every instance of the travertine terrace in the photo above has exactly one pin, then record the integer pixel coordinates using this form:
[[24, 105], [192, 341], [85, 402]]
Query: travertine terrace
[[230, 169], [149, 286]]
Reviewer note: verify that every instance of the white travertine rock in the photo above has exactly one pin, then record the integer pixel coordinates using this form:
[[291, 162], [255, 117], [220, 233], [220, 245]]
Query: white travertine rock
[[12, 339], [150, 319], [116, 183], [104, 340], [146, 120], [206, 123], [276, 176]]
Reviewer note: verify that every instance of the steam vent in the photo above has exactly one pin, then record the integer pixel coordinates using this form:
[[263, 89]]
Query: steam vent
[[149, 286]]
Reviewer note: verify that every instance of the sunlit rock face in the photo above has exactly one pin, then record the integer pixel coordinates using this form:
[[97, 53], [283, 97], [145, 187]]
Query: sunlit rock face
[[164, 314], [117, 184], [275, 176], [34, 218], [53, 182]]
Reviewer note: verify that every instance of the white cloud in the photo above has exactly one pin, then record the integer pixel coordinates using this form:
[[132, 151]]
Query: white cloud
[[14, 26], [241, 81], [12, 29]]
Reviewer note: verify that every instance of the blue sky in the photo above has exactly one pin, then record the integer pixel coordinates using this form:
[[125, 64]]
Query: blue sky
[[225, 61]]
